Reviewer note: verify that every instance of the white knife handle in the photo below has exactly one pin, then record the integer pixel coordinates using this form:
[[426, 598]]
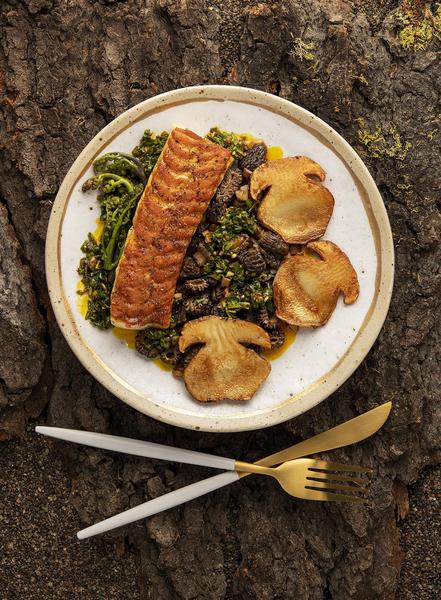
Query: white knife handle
[[164, 502], [138, 447]]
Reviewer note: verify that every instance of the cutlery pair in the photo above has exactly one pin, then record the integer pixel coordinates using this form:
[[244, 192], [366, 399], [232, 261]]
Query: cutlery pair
[[305, 478]]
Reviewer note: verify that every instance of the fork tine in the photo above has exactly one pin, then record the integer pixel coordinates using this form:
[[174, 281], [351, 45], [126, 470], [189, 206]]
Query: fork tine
[[332, 466], [326, 476], [329, 496], [314, 485]]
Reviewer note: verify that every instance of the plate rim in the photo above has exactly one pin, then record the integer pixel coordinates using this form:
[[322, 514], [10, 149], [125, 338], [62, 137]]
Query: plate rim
[[295, 405]]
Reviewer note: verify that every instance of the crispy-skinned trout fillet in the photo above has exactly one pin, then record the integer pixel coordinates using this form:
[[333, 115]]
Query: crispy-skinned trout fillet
[[176, 196]]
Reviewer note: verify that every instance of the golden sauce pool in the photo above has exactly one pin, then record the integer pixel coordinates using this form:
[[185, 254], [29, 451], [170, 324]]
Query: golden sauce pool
[[290, 336], [162, 365], [126, 335], [274, 153], [98, 233], [82, 299]]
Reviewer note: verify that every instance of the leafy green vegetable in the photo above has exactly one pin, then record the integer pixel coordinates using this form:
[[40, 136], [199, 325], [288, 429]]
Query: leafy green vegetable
[[120, 163], [118, 198], [117, 224], [107, 183], [149, 149], [234, 142]]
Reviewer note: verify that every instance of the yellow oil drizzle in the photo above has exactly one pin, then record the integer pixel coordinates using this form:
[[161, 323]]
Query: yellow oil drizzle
[[98, 233], [248, 137], [126, 335], [82, 299], [274, 153], [162, 365], [290, 336]]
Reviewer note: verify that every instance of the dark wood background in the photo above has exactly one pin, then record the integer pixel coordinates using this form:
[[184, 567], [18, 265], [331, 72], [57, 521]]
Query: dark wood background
[[68, 68]]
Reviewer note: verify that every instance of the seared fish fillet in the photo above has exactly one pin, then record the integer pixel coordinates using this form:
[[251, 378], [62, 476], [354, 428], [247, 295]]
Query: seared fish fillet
[[176, 196]]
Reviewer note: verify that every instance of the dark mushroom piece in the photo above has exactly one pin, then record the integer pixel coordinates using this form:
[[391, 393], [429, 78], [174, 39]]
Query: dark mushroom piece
[[252, 259], [196, 286], [179, 314], [224, 195], [255, 157], [147, 350], [190, 268], [266, 321], [277, 338], [271, 260], [271, 241], [201, 255], [170, 356], [196, 307]]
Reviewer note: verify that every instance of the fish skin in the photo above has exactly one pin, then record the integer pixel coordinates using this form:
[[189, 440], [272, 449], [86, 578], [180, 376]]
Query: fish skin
[[173, 203]]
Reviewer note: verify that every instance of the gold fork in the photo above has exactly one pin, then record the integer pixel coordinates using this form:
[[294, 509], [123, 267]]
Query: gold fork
[[314, 479]]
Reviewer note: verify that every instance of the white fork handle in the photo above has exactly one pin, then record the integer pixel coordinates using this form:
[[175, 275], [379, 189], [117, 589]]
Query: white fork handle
[[164, 502], [138, 447]]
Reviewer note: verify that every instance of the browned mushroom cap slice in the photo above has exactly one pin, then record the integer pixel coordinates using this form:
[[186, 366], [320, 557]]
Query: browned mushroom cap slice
[[297, 206], [224, 369], [306, 287]]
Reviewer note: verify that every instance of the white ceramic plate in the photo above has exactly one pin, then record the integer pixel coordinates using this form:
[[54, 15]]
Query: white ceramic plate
[[320, 360]]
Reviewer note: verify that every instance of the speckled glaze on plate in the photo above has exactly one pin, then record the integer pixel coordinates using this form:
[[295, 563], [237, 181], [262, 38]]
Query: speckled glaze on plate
[[320, 360]]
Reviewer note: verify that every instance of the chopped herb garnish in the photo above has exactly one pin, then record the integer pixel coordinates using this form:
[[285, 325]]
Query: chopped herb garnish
[[249, 295], [233, 142], [96, 283], [154, 342]]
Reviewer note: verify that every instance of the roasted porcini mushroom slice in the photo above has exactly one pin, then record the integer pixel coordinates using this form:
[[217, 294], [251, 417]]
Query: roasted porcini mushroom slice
[[306, 287], [296, 206], [224, 369]]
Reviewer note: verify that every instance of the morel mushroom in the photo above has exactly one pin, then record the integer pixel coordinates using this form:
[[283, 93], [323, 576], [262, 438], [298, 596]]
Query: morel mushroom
[[265, 320], [306, 288], [224, 369], [196, 307], [190, 268], [252, 259], [297, 206], [224, 195], [277, 338], [196, 286], [253, 158], [271, 242]]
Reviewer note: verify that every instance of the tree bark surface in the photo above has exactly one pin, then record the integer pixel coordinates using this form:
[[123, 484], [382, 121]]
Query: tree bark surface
[[67, 69]]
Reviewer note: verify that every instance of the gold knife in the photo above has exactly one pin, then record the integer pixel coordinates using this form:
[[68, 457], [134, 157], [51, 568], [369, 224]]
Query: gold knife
[[350, 432], [347, 433]]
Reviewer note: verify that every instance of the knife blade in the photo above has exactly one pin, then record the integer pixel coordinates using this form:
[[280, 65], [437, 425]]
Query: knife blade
[[350, 432]]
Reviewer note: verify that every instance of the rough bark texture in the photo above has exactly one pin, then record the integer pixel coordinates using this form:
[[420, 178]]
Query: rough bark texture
[[68, 68]]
